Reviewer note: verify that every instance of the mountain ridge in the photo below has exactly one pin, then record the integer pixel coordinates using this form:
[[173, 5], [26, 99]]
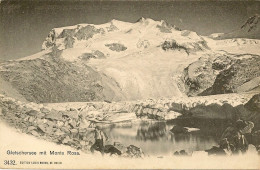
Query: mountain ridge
[[250, 29], [119, 61]]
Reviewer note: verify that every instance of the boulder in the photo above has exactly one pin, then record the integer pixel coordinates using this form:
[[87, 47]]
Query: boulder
[[83, 130], [83, 143], [161, 115], [73, 123], [34, 133], [31, 119], [65, 129], [176, 153], [254, 103], [32, 113], [22, 116], [30, 128], [66, 124], [67, 140], [72, 114], [155, 111], [59, 132], [46, 129], [59, 123], [51, 123], [26, 118], [177, 107], [120, 147], [134, 152], [54, 115], [135, 108], [39, 121], [181, 153], [139, 111], [248, 127], [42, 127], [49, 130], [74, 131], [44, 110], [178, 129], [70, 109], [145, 110], [112, 150], [12, 106], [256, 138], [216, 151], [18, 114], [25, 109]]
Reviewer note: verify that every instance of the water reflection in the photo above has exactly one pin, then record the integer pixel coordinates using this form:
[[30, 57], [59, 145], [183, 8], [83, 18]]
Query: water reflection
[[151, 131], [155, 138]]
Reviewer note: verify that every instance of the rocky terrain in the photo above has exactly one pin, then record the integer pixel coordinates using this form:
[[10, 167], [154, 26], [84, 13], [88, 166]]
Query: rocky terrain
[[70, 123], [222, 74], [52, 79], [69, 127], [121, 72]]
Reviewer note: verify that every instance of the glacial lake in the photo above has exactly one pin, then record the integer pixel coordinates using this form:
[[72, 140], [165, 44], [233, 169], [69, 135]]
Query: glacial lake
[[156, 139]]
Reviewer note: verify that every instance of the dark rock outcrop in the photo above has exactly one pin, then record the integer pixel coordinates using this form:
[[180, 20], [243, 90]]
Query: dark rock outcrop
[[96, 55], [70, 35], [180, 153], [254, 103], [52, 126], [116, 47], [112, 150], [222, 74], [241, 72], [256, 138], [216, 151], [173, 45], [52, 79], [134, 152], [250, 29], [84, 33], [178, 129]]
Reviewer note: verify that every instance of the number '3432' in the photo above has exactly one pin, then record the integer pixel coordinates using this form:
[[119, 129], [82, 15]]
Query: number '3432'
[[9, 162]]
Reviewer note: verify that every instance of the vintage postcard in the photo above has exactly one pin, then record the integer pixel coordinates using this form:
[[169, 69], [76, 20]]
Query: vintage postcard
[[129, 84]]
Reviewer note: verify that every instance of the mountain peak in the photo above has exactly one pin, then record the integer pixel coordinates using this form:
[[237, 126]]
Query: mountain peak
[[142, 19], [251, 23], [145, 20], [250, 29], [115, 20]]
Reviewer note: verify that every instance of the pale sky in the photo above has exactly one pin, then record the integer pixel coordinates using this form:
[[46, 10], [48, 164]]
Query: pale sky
[[25, 24]]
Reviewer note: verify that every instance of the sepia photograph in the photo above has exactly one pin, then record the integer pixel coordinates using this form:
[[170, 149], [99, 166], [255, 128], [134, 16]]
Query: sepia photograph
[[129, 84]]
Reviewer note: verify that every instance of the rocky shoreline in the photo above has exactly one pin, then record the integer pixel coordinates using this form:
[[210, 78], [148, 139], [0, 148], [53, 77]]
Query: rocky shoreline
[[61, 127], [70, 123]]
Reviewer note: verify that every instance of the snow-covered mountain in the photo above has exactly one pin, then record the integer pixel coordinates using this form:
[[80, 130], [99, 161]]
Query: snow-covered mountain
[[250, 29], [117, 34], [130, 61]]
